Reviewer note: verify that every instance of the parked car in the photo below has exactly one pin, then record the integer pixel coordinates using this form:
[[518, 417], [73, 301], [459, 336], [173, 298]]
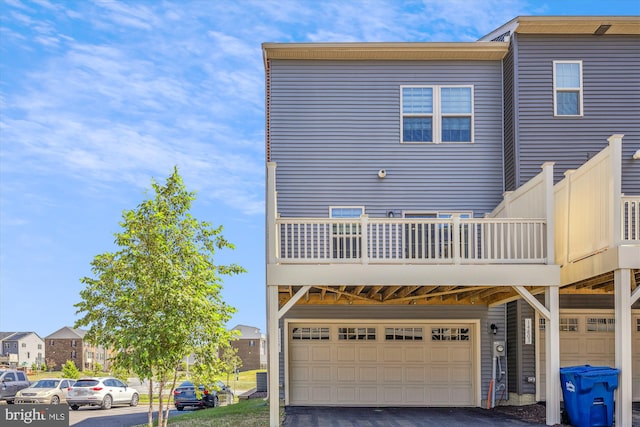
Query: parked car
[[207, 397], [101, 391], [51, 391], [11, 382]]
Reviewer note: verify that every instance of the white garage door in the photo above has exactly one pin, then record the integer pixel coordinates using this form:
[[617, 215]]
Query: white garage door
[[589, 339], [381, 365]]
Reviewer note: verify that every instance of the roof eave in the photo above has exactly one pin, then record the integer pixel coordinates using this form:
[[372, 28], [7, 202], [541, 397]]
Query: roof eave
[[386, 51]]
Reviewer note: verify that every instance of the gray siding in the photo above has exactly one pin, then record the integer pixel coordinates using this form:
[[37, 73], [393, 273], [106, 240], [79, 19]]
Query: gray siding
[[486, 315], [611, 85], [510, 106], [522, 357], [334, 124]]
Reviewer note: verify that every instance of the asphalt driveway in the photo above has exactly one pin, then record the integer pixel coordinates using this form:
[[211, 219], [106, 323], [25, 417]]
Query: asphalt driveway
[[398, 417]]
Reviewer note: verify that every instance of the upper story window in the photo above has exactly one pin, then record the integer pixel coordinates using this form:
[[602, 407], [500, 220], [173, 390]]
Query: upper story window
[[567, 88], [437, 114]]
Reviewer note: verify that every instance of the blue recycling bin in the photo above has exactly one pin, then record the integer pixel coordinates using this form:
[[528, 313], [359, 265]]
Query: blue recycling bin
[[588, 394]]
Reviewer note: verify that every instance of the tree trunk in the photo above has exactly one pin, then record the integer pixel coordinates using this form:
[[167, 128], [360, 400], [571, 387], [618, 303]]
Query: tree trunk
[[173, 387], [161, 421], [150, 415]]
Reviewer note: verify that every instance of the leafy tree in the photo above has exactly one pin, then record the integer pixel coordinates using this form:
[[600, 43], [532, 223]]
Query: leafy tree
[[70, 370], [97, 369], [231, 361], [158, 298]]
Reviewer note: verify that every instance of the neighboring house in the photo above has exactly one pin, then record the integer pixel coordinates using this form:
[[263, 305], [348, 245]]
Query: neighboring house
[[22, 349], [69, 344], [399, 270], [252, 347]]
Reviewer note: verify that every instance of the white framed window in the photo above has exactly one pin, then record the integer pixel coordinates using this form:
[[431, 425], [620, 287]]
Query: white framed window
[[436, 114], [312, 333], [403, 334], [568, 324], [357, 334], [567, 89], [346, 241], [450, 334], [601, 324]]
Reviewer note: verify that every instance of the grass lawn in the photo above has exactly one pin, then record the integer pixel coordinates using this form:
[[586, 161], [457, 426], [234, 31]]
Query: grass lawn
[[245, 413]]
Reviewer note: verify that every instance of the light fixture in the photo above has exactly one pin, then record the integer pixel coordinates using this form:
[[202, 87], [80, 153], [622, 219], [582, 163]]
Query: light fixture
[[390, 214], [382, 173], [636, 155], [494, 328]]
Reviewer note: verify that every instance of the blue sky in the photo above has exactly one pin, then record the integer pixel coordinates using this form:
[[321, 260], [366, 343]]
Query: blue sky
[[99, 97]]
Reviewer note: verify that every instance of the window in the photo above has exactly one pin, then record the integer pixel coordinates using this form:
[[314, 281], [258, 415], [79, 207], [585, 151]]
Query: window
[[39, 346], [436, 113], [346, 239], [449, 334], [567, 88], [73, 343], [637, 325], [568, 324], [73, 354], [403, 334], [357, 334], [310, 334], [51, 342], [601, 324], [24, 345], [252, 343]]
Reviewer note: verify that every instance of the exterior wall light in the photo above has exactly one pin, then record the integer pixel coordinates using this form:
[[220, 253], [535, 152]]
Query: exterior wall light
[[636, 155], [382, 173]]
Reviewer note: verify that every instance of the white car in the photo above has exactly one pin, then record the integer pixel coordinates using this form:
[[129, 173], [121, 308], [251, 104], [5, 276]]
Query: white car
[[51, 391], [101, 391]]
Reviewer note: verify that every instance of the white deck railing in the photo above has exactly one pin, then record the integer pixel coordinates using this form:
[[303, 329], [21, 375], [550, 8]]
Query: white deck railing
[[411, 241], [630, 220]]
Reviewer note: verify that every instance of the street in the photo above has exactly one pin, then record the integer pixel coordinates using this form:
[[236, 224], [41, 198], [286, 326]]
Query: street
[[120, 416]]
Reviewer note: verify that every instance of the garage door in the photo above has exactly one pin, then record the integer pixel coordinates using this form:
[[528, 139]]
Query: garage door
[[589, 339], [424, 364]]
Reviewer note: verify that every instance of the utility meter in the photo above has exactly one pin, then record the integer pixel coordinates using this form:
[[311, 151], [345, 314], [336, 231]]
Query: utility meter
[[498, 348]]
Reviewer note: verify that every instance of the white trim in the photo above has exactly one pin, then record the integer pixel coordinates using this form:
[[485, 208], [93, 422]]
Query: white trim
[[475, 344], [437, 115], [579, 89]]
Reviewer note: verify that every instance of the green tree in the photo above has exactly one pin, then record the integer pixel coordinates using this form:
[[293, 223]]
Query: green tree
[[231, 361], [70, 370], [157, 299], [97, 369]]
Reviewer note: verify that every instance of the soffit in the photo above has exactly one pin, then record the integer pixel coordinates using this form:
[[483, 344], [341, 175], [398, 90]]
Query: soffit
[[386, 51]]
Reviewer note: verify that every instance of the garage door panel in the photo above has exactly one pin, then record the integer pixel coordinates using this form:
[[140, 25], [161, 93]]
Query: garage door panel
[[402, 368], [439, 353], [300, 354], [439, 375], [321, 373], [415, 375], [391, 355], [346, 374], [392, 395], [321, 354], [392, 374], [321, 394], [460, 354], [367, 354], [414, 395], [367, 374]]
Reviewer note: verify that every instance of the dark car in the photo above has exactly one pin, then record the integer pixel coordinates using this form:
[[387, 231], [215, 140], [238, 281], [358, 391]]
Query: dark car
[[205, 397]]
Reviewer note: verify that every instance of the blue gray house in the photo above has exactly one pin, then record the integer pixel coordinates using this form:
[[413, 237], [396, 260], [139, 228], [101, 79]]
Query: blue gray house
[[450, 223]]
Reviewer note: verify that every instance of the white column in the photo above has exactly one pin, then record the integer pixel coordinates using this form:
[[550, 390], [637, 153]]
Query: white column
[[615, 190], [623, 395], [549, 204], [552, 355], [274, 356]]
